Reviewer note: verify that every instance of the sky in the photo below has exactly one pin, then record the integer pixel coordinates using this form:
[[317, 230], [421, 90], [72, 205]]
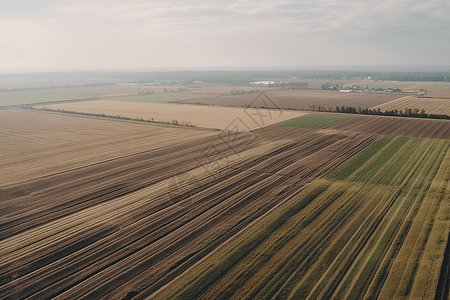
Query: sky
[[66, 35]]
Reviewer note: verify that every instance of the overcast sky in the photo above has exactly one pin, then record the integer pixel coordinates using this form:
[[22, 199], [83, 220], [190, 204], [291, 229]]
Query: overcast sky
[[50, 35]]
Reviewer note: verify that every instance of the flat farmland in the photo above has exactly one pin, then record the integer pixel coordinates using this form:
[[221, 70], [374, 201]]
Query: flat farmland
[[336, 210], [221, 90], [63, 94], [160, 97], [313, 83], [199, 115], [300, 99], [430, 86], [36, 144], [438, 94], [431, 105], [102, 230], [376, 227], [19, 98], [399, 126]]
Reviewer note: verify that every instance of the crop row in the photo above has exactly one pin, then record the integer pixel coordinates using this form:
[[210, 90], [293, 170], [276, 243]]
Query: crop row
[[397, 126], [375, 227], [107, 228], [430, 105]]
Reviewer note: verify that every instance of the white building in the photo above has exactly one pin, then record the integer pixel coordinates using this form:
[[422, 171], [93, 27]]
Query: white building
[[262, 82]]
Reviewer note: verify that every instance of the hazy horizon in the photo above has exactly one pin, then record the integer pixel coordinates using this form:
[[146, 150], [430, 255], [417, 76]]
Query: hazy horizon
[[371, 68], [98, 35]]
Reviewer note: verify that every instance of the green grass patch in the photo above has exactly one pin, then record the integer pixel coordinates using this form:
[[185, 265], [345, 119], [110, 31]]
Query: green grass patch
[[387, 161], [29, 98], [157, 98], [344, 170], [314, 121], [369, 169]]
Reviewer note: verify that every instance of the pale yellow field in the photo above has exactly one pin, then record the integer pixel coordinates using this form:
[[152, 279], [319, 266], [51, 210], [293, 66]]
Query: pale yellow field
[[438, 94], [34, 143], [431, 105], [224, 118]]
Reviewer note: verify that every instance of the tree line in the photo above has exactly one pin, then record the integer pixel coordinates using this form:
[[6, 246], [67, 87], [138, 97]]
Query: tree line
[[407, 112], [245, 77]]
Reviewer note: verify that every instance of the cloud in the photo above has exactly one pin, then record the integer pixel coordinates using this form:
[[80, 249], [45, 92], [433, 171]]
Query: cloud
[[243, 16], [100, 33]]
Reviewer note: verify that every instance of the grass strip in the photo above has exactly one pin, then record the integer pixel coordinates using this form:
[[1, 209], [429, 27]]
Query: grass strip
[[368, 170], [344, 170], [317, 122]]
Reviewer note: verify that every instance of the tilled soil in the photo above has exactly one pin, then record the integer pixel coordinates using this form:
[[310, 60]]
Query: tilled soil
[[103, 229]]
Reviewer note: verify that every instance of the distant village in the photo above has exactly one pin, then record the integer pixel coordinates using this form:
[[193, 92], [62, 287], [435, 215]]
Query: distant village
[[334, 87], [358, 89]]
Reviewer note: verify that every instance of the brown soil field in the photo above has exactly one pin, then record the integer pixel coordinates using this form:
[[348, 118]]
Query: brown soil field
[[437, 94], [36, 144], [220, 90], [101, 230], [430, 86], [397, 126], [224, 118], [130, 208], [300, 99], [431, 105], [376, 227]]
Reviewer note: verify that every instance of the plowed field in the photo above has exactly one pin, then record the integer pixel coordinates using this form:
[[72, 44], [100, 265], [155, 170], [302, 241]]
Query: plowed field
[[104, 229], [412, 127], [431, 105], [102, 209], [299, 99], [224, 118], [35, 144], [438, 94], [376, 227]]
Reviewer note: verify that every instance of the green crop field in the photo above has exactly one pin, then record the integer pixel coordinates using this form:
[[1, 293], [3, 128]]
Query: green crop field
[[160, 97], [322, 121], [375, 227], [33, 98]]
